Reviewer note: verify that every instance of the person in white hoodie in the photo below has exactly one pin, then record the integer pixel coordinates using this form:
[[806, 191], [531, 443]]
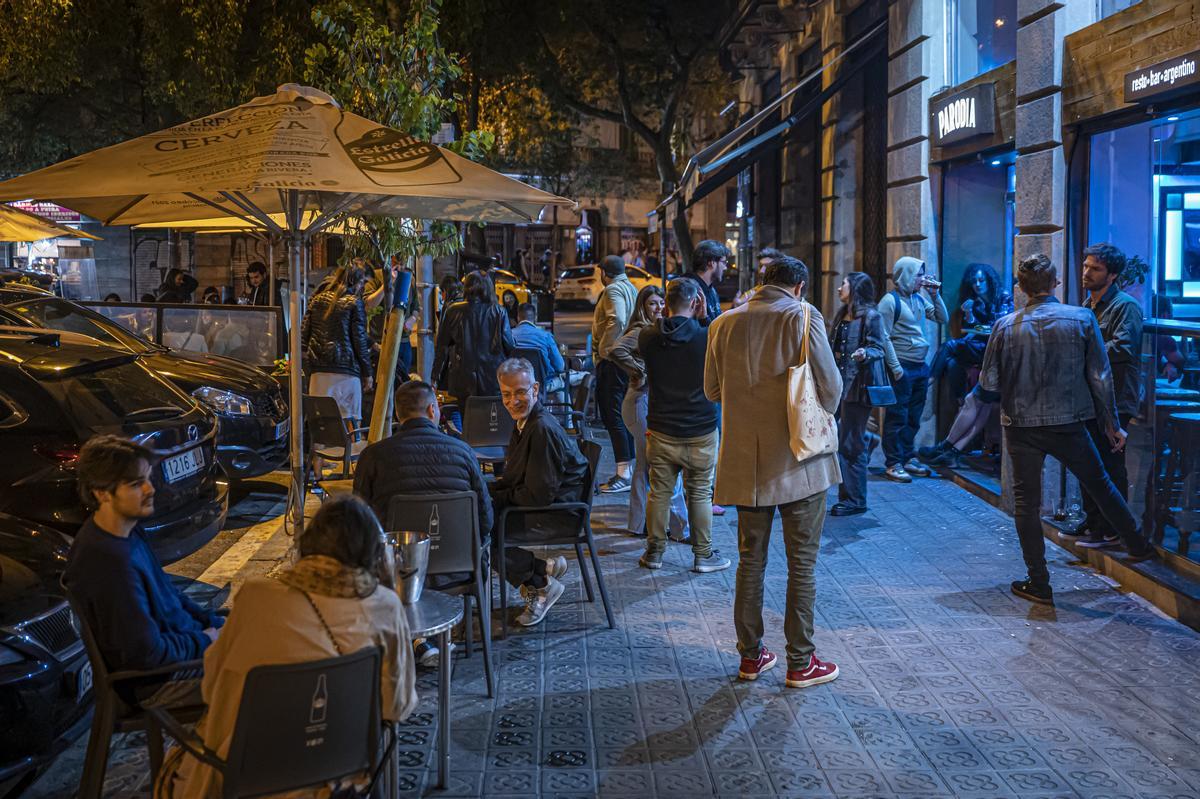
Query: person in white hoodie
[[905, 311]]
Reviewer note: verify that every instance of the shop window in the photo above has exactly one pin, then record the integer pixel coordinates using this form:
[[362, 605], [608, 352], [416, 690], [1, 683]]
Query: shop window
[[1144, 197], [981, 35]]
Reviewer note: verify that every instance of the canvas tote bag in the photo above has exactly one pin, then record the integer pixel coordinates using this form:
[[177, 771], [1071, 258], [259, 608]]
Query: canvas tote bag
[[811, 429]]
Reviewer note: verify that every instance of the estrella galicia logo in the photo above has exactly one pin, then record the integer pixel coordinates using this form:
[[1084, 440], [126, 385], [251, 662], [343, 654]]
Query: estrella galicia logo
[[390, 152]]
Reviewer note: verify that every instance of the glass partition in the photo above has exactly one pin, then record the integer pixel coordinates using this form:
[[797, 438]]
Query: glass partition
[[981, 35], [254, 334]]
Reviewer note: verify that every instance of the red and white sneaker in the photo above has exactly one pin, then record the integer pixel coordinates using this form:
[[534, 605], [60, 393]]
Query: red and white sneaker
[[752, 667], [818, 671]]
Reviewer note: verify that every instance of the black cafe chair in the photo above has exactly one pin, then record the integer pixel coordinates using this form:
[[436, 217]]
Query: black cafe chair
[[301, 725], [487, 428], [455, 548], [328, 436], [113, 714], [576, 529]]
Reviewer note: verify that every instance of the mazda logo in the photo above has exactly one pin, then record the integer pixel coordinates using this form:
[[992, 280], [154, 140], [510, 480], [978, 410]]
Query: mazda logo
[[193, 432]]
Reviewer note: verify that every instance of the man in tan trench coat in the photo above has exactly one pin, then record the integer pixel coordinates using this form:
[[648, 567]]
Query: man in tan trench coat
[[750, 350]]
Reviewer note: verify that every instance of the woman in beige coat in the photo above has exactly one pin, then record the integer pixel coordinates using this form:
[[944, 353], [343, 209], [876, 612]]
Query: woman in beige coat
[[329, 603]]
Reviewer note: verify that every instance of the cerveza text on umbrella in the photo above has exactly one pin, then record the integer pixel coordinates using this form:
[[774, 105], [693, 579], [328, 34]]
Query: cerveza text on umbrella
[[173, 145]]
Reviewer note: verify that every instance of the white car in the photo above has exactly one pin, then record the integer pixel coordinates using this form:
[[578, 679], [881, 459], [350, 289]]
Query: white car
[[583, 283]]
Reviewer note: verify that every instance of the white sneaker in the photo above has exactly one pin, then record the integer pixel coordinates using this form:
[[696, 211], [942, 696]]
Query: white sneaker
[[556, 567], [897, 474], [538, 601]]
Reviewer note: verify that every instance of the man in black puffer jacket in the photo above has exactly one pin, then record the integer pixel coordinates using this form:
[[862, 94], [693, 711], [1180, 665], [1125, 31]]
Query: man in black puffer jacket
[[333, 338], [420, 459]]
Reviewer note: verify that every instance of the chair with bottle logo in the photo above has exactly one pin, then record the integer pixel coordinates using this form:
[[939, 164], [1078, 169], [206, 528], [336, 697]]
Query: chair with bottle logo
[[459, 556], [329, 438], [114, 714], [487, 428], [302, 726], [576, 530]]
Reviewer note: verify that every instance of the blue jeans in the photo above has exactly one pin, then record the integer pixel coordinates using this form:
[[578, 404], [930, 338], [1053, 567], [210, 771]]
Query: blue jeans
[[902, 420]]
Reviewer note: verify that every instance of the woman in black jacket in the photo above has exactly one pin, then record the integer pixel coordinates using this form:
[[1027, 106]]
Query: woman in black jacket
[[473, 340], [333, 338], [858, 346]]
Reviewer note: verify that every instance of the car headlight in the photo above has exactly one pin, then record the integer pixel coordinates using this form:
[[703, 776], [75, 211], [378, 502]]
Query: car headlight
[[223, 401]]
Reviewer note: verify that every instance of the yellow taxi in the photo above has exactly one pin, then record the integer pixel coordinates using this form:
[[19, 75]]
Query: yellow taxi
[[511, 291]]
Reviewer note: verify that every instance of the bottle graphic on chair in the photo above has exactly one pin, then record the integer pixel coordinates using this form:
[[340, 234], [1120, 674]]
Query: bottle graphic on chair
[[493, 422], [320, 702], [434, 524]]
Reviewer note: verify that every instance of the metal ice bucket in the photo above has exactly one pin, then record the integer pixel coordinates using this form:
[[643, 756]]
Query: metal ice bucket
[[410, 559]]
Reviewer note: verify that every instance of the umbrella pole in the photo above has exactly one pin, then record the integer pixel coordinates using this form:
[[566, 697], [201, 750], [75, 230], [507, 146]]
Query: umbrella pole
[[295, 375]]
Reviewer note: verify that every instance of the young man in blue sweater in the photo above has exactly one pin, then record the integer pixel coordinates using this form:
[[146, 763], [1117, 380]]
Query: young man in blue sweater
[[139, 619]]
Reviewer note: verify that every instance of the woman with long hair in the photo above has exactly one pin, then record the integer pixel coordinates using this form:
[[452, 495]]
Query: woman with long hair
[[473, 340], [858, 346], [334, 340], [335, 600], [982, 303], [647, 310]]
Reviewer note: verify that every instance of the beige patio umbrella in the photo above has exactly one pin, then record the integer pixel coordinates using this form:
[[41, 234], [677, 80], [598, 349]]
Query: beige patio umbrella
[[291, 153], [18, 225]]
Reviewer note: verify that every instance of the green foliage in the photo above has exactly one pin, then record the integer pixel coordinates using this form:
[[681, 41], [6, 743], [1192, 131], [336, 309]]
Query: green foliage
[[76, 75], [1135, 271], [402, 78]]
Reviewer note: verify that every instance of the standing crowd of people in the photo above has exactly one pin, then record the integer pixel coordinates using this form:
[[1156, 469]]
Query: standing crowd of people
[[696, 400]]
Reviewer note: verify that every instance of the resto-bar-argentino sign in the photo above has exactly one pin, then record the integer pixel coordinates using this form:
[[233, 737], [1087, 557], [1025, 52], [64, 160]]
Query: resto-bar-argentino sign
[[1166, 77]]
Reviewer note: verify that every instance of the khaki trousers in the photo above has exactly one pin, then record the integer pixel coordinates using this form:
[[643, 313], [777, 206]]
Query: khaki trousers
[[696, 458]]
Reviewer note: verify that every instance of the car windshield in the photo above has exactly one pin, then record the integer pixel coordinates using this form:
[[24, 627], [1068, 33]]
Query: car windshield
[[68, 317], [635, 273], [578, 272], [107, 396]]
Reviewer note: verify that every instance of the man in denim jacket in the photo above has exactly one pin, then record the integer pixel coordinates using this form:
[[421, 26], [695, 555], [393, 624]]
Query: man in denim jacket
[[1051, 362]]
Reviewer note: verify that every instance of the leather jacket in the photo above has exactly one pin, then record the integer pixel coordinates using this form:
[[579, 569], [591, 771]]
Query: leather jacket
[[472, 341], [1047, 361], [865, 330], [333, 335]]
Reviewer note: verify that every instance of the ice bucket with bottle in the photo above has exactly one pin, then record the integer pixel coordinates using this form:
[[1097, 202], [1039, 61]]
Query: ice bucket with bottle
[[410, 558]]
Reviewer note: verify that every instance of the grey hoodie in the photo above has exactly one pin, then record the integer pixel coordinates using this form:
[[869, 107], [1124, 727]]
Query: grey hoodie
[[907, 329]]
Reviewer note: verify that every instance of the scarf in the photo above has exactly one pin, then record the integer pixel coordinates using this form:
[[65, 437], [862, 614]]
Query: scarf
[[321, 574]]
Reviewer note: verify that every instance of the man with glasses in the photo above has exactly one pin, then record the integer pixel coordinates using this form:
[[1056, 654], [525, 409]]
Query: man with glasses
[[709, 263], [543, 467]]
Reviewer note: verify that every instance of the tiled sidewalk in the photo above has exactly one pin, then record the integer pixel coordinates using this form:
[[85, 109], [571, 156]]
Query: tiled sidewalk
[[950, 686]]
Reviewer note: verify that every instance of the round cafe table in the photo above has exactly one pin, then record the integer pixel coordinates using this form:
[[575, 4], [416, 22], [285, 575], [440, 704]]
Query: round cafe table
[[435, 614]]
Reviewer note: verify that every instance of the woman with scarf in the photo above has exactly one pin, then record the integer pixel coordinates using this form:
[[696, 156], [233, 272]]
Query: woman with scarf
[[647, 310], [329, 603], [858, 346]]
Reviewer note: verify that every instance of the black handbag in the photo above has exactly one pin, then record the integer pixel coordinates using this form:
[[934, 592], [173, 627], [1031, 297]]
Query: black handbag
[[880, 393]]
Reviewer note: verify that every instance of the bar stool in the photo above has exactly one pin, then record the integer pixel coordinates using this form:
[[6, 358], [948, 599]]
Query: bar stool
[[1183, 470], [1158, 488]]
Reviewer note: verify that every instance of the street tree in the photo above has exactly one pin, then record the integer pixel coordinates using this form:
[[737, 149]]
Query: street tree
[[647, 65]]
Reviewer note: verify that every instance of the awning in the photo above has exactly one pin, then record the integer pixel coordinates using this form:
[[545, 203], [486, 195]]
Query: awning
[[710, 168]]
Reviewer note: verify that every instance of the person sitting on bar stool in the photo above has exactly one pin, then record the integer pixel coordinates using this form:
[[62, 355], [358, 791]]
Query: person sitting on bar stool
[[335, 600], [544, 466], [139, 618], [421, 459]]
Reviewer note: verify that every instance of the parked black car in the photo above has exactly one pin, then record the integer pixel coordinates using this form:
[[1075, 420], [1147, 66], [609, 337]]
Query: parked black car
[[45, 677], [253, 434], [57, 390]]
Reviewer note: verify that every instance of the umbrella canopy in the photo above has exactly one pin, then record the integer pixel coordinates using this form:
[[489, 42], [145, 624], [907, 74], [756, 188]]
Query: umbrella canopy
[[236, 162], [295, 153], [18, 225]]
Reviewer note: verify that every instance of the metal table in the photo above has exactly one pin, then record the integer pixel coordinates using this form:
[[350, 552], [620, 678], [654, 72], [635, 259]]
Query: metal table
[[436, 614]]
